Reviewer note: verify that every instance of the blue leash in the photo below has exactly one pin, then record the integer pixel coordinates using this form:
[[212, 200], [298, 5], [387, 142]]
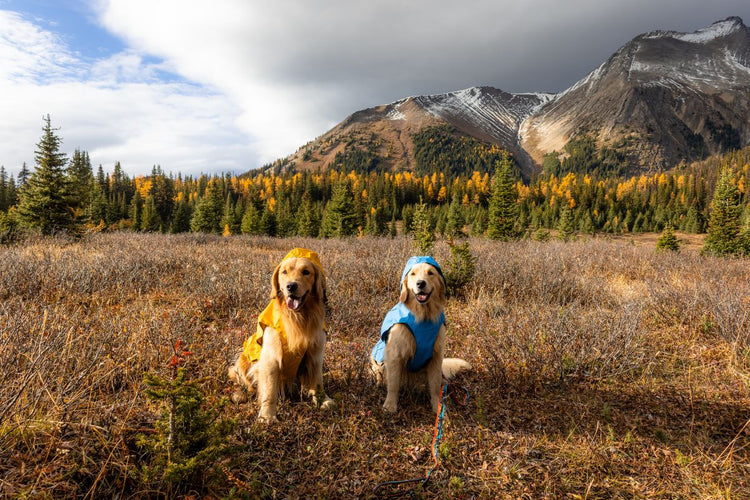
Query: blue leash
[[447, 389]]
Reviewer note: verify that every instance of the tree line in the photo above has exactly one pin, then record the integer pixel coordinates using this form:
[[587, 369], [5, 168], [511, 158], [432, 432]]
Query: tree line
[[66, 194]]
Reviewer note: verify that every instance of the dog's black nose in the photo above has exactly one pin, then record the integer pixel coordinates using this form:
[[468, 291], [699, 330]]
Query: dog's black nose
[[421, 284], [291, 287]]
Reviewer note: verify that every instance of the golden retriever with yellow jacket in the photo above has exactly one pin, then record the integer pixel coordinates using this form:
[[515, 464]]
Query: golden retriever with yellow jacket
[[289, 339], [412, 336]]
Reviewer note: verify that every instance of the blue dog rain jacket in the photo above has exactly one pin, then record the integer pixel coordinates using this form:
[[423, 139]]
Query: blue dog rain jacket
[[425, 333]]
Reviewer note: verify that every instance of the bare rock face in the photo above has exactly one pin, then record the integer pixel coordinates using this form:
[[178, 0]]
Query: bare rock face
[[662, 98]]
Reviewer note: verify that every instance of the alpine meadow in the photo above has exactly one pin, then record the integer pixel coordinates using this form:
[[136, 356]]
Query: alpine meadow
[[595, 248]]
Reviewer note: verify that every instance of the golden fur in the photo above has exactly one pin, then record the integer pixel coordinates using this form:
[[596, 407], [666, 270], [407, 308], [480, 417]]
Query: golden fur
[[401, 346], [294, 279]]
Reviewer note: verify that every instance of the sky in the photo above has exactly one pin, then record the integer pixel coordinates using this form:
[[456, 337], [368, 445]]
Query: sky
[[226, 86]]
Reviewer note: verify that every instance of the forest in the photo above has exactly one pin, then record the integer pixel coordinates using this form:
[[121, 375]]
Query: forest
[[454, 179]]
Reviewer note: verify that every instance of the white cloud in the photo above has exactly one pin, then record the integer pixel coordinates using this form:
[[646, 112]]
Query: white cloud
[[239, 83], [118, 109], [295, 68]]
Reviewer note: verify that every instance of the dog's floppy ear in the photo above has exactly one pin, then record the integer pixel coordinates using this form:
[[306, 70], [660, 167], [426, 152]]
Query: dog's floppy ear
[[275, 288], [320, 284], [404, 290], [442, 287]]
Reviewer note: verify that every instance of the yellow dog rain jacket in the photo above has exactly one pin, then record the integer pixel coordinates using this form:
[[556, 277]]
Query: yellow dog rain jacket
[[271, 316]]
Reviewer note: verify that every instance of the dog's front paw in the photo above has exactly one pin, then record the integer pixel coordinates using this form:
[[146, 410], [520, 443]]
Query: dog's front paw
[[267, 419], [328, 404], [238, 396], [390, 406]]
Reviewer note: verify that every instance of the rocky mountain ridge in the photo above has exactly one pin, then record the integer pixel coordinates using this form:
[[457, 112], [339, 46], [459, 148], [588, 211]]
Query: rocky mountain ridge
[[662, 98]]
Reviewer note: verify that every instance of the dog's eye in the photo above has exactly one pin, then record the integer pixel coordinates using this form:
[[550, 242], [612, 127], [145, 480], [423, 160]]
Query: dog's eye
[[429, 273], [283, 272], [305, 272]]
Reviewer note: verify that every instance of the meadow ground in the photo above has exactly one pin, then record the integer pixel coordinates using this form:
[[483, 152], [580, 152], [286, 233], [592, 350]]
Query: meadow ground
[[602, 369]]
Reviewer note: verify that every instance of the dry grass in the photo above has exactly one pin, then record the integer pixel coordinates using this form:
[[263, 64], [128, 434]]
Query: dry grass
[[602, 370]]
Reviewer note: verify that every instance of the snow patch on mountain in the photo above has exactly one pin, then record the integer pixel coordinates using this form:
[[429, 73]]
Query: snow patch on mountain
[[704, 35], [716, 30], [395, 113], [492, 111]]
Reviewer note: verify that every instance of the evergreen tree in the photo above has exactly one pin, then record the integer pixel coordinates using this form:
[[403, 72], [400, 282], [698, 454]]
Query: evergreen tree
[[80, 178], [267, 223], [23, 175], [98, 207], [136, 211], [503, 210], [150, 221], [422, 231], [4, 198], [286, 224], [340, 218], [162, 192], [250, 220], [460, 268], [308, 222], [566, 226], [181, 218], [208, 212], [455, 224], [724, 224], [392, 230], [479, 222], [45, 201], [668, 240], [407, 217], [228, 221]]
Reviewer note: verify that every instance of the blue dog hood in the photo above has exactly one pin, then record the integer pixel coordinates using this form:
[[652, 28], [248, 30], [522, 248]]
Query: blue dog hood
[[421, 259]]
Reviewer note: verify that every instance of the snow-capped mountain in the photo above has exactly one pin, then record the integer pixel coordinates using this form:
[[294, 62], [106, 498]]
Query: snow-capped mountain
[[662, 98], [485, 113]]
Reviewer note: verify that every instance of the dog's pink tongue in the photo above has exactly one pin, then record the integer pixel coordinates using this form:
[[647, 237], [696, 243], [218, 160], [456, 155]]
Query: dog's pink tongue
[[421, 297], [293, 303]]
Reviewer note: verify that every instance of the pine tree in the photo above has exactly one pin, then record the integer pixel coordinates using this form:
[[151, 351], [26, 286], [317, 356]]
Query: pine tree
[[407, 217], [267, 223], [23, 175], [45, 200], [135, 211], [566, 226], [4, 199], [80, 177], [392, 230], [668, 240], [308, 222], [208, 212], [455, 224], [423, 234], [724, 224], [150, 221], [340, 218], [98, 208], [250, 220], [228, 221], [181, 218], [460, 268], [162, 192], [286, 224], [503, 210]]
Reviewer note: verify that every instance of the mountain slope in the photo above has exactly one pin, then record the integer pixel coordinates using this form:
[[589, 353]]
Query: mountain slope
[[485, 113], [662, 98]]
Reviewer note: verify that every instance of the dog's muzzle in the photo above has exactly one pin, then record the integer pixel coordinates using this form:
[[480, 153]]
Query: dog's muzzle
[[294, 303], [422, 296]]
